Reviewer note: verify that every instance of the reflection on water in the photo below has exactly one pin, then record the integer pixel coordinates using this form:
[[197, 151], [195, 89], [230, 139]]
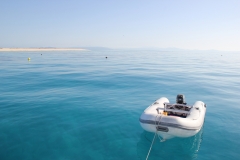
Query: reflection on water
[[176, 148]]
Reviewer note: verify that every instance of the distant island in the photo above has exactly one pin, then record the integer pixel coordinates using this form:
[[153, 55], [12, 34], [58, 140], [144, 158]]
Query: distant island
[[41, 49]]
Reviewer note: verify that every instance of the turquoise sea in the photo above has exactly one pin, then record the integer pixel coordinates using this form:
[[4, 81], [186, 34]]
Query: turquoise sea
[[73, 105]]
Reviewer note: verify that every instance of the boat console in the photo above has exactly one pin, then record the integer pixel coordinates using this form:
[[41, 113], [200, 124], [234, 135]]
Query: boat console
[[180, 108]]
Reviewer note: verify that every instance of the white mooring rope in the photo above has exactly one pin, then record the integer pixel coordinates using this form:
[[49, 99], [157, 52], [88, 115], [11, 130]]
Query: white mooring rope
[[154, 135], [151, 145]]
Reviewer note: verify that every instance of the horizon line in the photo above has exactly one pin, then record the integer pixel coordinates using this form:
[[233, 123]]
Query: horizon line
[[87, 48]]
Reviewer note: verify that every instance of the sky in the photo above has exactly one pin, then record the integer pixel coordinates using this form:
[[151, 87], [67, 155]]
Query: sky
[[184, 24]]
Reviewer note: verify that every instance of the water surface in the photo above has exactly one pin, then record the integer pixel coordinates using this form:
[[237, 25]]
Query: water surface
[[81, 105]]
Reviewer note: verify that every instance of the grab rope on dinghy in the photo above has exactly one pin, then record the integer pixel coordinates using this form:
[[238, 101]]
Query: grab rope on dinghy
[[156, 125]]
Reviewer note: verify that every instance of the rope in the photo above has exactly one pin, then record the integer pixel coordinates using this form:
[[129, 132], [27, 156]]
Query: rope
[[151, 145], [154, 135], [160, 139]]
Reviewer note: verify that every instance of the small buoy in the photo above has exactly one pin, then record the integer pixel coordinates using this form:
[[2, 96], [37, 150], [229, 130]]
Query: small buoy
[[29, 59], [41, 54], [106, 57]]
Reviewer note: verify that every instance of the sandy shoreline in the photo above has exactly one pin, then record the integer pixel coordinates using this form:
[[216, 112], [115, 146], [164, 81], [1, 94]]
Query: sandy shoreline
[[41, 49]]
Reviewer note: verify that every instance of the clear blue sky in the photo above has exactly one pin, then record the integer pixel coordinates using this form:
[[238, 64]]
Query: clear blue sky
[[203, 24]]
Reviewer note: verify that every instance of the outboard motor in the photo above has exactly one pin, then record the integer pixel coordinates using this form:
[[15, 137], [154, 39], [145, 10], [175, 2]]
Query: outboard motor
[[180, 99]]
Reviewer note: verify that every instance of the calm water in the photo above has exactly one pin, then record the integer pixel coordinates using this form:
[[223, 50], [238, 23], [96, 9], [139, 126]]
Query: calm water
[[80, 105]]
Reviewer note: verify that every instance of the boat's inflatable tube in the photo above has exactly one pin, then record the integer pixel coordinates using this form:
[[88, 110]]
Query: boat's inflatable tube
[[171, 122]]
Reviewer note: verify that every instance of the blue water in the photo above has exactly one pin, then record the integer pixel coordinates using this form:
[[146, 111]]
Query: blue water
[[80, 105]]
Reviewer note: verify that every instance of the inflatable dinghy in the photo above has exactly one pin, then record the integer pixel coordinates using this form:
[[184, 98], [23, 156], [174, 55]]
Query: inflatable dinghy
[[173, 120]]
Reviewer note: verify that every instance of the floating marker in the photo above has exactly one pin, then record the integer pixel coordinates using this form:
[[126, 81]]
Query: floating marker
[[29, 59]]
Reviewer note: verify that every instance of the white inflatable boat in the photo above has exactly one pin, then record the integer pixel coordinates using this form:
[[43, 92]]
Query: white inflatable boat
[[173, 120]]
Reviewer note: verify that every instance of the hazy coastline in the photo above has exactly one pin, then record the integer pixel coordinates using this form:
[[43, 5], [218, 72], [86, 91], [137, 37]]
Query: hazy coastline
[[41, 49]]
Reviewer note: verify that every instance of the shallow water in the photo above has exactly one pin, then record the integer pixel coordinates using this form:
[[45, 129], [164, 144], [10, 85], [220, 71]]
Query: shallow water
[[80, 105]]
